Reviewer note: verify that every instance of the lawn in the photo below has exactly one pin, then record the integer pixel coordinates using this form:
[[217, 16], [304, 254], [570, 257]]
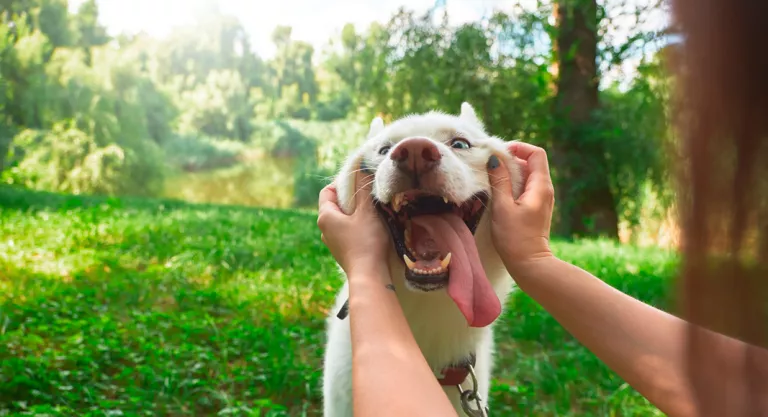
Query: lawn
[[159, 308]]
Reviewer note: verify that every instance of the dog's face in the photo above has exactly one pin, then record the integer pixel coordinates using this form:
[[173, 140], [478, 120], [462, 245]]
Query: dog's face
[[426, 167]]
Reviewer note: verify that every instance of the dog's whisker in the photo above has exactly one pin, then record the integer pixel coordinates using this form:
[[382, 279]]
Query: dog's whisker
[[361, 188]]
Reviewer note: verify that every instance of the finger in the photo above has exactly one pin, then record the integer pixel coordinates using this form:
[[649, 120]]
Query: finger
[[327, 214], [363, 189], [524, 172], [538, 188], [498, 176], [328, 195], [536, 158]]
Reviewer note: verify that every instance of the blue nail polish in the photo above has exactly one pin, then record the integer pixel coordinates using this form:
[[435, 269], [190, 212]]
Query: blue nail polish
[[493, 162]]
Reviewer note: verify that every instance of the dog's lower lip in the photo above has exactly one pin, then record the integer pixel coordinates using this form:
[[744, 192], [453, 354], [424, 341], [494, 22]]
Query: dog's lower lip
[[426, 279]]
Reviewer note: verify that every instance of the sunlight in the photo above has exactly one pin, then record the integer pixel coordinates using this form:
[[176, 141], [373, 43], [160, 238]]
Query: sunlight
[[312, 21]]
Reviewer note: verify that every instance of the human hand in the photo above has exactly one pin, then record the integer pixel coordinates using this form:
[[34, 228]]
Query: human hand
[[358, 242], [520, 228]]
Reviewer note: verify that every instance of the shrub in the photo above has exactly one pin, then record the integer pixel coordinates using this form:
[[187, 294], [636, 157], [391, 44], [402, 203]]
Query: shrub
[[67, 159]]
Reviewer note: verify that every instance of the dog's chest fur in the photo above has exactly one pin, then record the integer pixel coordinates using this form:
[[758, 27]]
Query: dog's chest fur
[[439, 328]]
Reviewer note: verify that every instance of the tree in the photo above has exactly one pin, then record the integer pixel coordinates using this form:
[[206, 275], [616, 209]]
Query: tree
[[295, 85], [588, 207], [88, 31]]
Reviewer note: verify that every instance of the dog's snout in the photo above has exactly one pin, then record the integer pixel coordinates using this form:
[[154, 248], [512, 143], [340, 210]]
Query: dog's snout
[[416, 155]]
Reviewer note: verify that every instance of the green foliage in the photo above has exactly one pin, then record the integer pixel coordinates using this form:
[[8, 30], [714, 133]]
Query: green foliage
[[196, 153], [325, 143], [318, 147], [632, 129], [155, 307], [70, 160], [219, 107], [309, 180], [86, 26], [205, 81]]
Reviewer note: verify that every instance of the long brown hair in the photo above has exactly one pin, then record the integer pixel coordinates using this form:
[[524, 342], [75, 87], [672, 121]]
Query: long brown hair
[[722, 119]]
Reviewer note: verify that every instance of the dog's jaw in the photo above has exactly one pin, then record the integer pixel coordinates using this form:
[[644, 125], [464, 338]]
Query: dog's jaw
[[438, 326]]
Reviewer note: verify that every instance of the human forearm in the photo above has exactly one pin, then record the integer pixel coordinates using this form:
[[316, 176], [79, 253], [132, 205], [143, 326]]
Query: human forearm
[[643, 345], [386, 358]]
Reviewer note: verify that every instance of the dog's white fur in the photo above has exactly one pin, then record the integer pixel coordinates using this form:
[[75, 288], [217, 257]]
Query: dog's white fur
[[438, 326]]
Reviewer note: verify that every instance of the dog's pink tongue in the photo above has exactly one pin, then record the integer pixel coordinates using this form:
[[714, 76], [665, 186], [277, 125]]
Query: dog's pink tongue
[[468, 285]]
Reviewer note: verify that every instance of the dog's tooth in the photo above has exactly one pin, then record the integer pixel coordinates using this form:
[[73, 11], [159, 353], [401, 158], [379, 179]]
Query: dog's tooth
[[408, 262], [445, 200], [446, 261]]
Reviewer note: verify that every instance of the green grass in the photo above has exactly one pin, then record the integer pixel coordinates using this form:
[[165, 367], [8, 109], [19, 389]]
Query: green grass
[[149, 307]]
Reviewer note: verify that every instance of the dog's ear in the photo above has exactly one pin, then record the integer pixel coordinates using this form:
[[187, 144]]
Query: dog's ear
[[345, 182], [377, 125], [468, 114]]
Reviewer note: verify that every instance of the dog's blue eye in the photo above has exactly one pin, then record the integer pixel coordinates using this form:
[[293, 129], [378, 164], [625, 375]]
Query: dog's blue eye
[[384, 149], [460, 143]]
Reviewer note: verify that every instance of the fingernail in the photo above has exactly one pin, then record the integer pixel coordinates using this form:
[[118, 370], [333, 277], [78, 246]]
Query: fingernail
[[493, 162]]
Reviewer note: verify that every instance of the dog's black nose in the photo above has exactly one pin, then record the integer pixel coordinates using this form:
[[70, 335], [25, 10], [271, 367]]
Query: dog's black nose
[[416, 155]]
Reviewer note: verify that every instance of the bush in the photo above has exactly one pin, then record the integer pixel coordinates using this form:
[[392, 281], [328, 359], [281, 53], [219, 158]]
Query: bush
[[196, 153], [336, 108], [309, 179], [67, 159], [331, 142]]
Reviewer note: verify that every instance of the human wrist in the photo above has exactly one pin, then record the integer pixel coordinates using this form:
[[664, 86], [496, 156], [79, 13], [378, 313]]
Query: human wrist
[[370, 270], [529, 267]]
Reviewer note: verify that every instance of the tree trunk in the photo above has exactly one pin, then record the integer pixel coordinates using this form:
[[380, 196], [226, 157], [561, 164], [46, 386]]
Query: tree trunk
[[586, 202]]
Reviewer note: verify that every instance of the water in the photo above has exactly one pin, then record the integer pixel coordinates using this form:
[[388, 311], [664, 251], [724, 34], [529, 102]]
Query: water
[[262, 182]]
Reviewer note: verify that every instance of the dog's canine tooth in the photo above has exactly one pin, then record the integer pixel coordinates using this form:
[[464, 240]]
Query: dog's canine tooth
[[446, 261], [397, 202], [445, 199], [408, 262]]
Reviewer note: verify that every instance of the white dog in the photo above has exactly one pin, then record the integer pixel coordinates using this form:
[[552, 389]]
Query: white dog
[[431, 188]]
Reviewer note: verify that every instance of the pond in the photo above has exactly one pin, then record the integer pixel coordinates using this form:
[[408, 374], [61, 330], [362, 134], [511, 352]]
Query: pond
[[261, 182]]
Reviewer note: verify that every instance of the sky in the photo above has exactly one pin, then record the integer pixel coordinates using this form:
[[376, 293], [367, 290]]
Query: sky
[[314, 21]]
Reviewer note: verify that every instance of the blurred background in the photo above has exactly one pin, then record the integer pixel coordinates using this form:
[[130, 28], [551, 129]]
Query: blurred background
[[160, 161]]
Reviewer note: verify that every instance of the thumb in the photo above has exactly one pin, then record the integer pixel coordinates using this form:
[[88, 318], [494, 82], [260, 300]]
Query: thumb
[[498, 176], [363, 188]]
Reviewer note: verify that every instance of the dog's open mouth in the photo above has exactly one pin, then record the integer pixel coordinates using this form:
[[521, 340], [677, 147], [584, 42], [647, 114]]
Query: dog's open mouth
[[427, 257], [435, 239]]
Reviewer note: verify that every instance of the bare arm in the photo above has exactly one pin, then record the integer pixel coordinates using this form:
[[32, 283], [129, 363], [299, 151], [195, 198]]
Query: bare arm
[[644, 345], [390, 376]]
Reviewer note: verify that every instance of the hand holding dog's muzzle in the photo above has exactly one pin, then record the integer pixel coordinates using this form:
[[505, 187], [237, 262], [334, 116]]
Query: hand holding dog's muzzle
[[357, 241], [520, 227]]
